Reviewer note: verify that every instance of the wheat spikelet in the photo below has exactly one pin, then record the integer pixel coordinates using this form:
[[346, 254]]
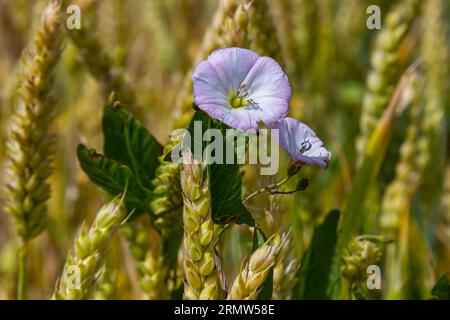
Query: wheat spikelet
[[383, 76], [86, 258], [285, 268], [284, 272], [360, 254], [167, 205], [249, 281], [200, 278], [151, 268], [30, 146]]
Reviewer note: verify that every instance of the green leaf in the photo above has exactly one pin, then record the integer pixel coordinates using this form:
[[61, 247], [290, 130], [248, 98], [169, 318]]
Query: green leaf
[[226, 192], [258, 239], [130, 143], [314, 273], [113, 177], [225, 179], [266, 291], [441, 290], [171, 245]]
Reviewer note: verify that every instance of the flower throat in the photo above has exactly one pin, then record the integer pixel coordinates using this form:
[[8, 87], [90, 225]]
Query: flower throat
[[239, 99]]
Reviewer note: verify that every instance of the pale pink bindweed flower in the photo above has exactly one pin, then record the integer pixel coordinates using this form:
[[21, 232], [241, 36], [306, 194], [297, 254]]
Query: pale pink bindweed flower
[[302, 143], [241, 88]]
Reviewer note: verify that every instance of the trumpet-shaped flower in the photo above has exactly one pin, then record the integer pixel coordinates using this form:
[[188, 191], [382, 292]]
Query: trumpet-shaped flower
[[301, 143], [241, 88]]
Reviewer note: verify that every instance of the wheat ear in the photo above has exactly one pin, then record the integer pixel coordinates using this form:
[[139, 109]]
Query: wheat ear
[[285, 268], [30, 146], [249, 281], [98, 60], [151, 269], [200, 274], [383, 76], [167, 204], [433, 130], [86, 259]]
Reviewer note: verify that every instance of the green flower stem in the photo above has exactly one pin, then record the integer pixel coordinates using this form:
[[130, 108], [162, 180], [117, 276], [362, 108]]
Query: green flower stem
[[268, 188]]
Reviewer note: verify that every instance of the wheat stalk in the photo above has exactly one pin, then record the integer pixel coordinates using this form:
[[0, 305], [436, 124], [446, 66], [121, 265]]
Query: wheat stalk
[[200, 275], [86, 259]]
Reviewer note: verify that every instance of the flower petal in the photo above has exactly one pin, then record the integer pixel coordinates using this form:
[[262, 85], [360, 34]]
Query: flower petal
[[301, 143], [232, 65], [267, 79]]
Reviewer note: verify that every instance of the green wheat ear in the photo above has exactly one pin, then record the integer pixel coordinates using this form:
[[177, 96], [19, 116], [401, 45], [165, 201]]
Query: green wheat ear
[[285, 268], [30, 146], [200, 272], [383, 76], [151, 269], [167, 205], [99, 61], [86, 259]]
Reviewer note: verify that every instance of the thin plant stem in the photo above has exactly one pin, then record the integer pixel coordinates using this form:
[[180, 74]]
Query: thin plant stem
[[268, 188], [21, 283]]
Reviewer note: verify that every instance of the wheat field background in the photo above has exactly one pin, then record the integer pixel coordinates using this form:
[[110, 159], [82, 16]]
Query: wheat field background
[[377, 98]]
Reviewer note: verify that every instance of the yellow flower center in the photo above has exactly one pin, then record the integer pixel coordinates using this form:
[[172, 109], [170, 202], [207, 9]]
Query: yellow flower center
[[237, 101]]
